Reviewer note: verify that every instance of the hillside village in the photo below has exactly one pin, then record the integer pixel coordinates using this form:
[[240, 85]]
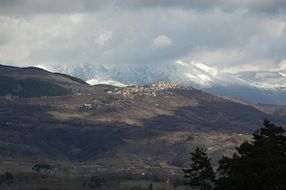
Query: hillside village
[[147, 90]]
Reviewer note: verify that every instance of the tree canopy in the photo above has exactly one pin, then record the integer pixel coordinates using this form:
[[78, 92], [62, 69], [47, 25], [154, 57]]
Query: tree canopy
[[258, 164], [200, 174]]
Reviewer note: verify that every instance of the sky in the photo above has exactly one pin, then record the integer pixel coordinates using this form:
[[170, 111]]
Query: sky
[[229, 35]]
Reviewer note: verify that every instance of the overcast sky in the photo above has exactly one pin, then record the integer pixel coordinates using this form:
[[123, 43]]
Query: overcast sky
[[230, 35]]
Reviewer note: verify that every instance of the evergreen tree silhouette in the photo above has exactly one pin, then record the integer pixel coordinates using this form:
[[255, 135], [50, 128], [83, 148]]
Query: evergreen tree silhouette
[[200, 174], [259, 164], [150, 187]]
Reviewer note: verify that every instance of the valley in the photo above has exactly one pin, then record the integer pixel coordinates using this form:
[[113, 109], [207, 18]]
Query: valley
[[126, 130]]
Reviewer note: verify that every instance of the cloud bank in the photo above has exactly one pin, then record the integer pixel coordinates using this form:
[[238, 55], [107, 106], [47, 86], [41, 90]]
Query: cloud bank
[[230, 36]]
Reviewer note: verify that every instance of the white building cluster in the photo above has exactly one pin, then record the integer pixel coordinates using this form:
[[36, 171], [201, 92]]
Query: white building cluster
[[147, 90]]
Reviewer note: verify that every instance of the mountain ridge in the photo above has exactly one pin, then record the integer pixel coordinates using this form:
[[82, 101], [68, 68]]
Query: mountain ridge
[[35, 82], [267, 86], [134, 126]]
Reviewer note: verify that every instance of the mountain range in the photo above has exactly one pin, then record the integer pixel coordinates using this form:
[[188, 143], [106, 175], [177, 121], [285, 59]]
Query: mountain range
[[53, 117], [268, 87]]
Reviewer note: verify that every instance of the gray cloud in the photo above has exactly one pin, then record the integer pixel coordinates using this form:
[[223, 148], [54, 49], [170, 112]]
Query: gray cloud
[[259, 5], [28, 7], [230, 35]]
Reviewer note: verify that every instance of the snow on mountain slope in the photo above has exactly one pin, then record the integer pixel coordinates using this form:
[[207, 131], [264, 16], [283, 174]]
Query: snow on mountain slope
[[126, 74], [109, 82], [195, 73], [269, 80], [267, 86]]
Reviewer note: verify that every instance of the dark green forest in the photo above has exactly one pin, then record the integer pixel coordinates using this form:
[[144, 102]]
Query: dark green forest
[[259, 164]]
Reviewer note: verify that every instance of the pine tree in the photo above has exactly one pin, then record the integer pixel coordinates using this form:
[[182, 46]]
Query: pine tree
[[200, 174], [150, 187], [259, 164]]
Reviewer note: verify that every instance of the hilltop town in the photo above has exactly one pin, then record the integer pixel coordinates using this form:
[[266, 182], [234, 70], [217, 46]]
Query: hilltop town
[[147, 90]]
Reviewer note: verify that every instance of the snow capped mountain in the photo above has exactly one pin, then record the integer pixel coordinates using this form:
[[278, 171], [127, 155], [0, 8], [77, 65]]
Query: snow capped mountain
[[206, 76], [269, 80], [109, 82], [198, 73], [125, 74], [254, 86]]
